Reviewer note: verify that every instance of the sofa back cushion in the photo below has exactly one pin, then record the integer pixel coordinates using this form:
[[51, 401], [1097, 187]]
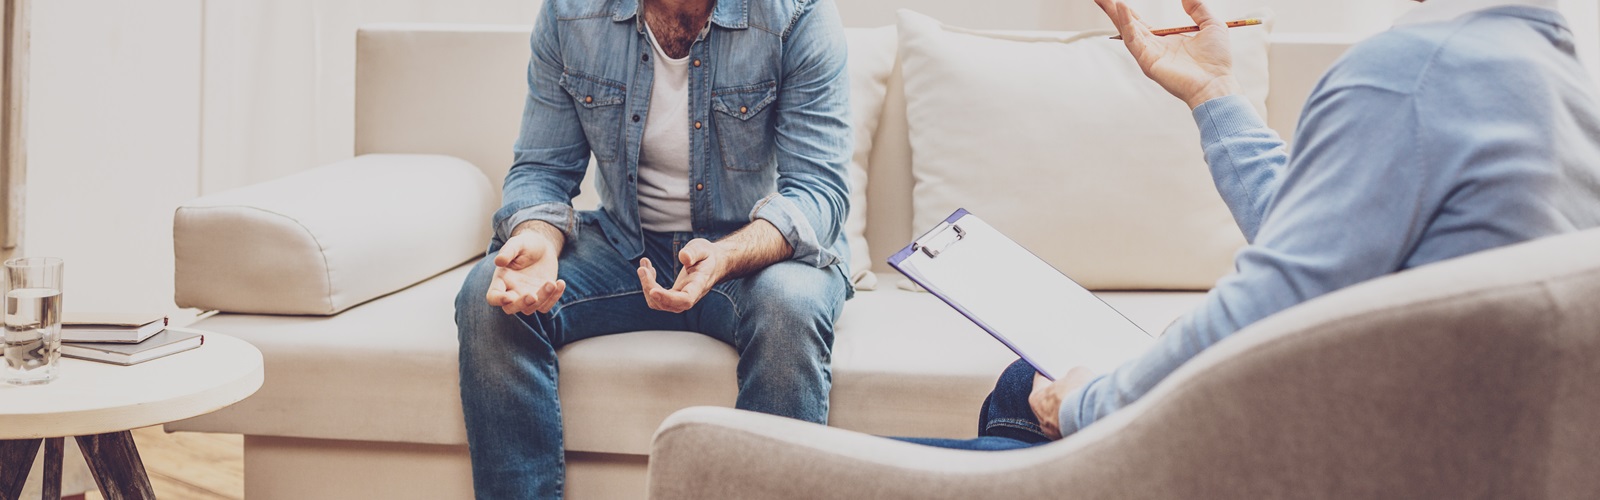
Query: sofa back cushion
[[1058, 140]]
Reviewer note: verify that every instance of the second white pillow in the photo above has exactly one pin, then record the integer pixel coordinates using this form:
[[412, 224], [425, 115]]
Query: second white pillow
[[1069, 149]]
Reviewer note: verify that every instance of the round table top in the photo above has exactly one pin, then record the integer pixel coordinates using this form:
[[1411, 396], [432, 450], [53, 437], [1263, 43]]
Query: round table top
[[89, 397]]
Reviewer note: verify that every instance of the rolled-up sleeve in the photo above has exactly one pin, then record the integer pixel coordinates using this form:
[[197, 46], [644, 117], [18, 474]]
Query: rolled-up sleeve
[[551, 154], [813, 138]]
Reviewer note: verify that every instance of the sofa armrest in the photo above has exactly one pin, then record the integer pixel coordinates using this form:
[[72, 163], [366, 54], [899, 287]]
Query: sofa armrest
[[324, 240]]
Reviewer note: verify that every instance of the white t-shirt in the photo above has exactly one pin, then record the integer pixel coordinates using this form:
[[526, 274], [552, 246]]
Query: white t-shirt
[[664, 156]]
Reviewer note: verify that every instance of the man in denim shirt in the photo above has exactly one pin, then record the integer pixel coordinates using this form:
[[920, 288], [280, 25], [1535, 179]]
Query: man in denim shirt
[[721, 136], [1467, 127]]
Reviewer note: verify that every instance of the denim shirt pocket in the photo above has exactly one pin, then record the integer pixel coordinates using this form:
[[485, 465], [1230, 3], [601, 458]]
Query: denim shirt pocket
[[599, 105], [745, 132]]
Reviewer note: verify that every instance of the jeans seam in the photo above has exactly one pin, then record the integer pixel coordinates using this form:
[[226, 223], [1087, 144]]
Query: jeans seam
[[1015, 424], [559, 307]]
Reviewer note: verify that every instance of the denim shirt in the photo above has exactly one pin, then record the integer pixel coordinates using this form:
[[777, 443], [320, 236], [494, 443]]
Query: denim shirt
[[769, 132], [1425, 143]]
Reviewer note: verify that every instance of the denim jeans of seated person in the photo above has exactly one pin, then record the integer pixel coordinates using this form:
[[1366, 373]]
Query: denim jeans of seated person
[[1006, 421], [780, 321]]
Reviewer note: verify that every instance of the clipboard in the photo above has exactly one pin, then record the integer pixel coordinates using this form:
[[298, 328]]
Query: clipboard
[[1038, 312]]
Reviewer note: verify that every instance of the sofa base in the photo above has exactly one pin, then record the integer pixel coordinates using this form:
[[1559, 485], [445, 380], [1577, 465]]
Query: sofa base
[[311, 469]]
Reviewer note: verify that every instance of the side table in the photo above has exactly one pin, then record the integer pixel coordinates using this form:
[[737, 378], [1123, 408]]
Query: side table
[[99, 403]]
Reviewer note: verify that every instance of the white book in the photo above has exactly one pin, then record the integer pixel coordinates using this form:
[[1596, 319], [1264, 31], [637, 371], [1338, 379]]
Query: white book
[[110, 327], [166, 343]]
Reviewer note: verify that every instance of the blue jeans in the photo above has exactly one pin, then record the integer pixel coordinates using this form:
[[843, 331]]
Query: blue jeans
[[1006, 421], [780, 320]]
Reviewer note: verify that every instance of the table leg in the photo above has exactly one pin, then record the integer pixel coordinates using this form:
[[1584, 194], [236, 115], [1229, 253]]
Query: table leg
[[51, 486], [16, 459], [114, 461]]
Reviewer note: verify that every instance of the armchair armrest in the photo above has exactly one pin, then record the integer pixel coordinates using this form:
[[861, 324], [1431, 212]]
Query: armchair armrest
[[708, 452], [324, 240], [1468, 378]]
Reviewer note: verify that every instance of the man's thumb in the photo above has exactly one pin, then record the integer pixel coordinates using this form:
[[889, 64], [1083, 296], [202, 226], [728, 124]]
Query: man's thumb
[[512, 256]]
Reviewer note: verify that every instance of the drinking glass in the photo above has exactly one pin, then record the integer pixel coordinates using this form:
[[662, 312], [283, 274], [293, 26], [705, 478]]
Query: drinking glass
[[33, 320]]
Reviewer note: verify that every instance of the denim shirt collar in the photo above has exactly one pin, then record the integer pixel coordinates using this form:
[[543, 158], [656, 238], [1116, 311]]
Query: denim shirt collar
[[729, 14]]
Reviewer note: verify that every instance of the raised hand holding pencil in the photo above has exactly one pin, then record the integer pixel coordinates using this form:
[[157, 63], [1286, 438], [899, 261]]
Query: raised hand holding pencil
[[1195, 68]]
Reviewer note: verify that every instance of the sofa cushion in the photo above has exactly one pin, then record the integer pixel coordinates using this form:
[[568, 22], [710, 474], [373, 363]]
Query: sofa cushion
[[904, 364], [872, 53], [323, 240], [1062, 143]]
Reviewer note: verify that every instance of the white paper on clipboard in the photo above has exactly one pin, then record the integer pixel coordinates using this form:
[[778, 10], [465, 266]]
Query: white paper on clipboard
[[1041, 314]]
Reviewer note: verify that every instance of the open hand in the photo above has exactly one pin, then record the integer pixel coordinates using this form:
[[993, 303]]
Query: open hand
[[703, 267], [1194, 68], [525, 275], [1047, 396]]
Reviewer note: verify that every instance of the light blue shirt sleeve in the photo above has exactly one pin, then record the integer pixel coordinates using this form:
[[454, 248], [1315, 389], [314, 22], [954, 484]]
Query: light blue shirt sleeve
[[1356, 162]]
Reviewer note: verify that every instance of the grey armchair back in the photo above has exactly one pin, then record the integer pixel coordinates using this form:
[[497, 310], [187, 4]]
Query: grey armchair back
[[1477, 377]]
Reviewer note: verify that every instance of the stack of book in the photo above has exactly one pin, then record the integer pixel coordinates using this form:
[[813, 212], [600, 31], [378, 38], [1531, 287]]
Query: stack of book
[[122, 339]]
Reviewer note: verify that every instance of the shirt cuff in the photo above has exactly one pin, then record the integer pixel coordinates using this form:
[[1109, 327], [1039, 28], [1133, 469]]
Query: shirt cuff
[[560, 215], [802, 238], [1070, 417], [1225, 116]]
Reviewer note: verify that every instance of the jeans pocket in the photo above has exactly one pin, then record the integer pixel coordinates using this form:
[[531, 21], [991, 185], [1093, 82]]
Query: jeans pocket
[[744, 131], [599, 103]]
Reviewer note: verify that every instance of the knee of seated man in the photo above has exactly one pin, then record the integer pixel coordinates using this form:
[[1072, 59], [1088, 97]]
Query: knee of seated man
[[793, 292], [473, 298]]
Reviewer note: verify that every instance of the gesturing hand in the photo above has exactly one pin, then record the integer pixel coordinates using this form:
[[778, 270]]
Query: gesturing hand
[[1195, 68], [703, 266], [525, 275], [1047, 396]]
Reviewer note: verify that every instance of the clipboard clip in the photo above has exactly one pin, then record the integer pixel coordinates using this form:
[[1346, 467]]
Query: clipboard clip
[[939, 239]]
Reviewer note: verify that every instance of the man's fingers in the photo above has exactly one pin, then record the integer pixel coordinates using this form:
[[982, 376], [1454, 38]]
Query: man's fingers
[[647, 281], [1199, 12], [555, 298], [692, 254], [549, 295], [509, 304], [671, 301], [508, 253], [497, 296]]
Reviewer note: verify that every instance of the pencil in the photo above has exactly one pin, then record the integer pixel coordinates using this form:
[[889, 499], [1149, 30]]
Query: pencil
[[1191, 29]]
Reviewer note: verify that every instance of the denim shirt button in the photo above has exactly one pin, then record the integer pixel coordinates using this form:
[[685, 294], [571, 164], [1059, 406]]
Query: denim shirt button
[[630, 177], [696, 63], [697, 125], [644, 57], [699, 187], [635, 118]]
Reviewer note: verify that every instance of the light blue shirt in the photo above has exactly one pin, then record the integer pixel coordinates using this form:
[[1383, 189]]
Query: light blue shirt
[[1425, 143], [768, 121]]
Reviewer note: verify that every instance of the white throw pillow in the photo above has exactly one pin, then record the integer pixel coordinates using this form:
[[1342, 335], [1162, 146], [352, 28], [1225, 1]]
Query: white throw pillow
[[872, 52], [1070, 150]]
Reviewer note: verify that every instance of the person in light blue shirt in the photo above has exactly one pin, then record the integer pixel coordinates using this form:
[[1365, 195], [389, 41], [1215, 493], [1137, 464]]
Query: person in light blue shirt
[[1468, 126]]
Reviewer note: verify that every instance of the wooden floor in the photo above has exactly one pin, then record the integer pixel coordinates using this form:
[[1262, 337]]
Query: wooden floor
[[189, 465]]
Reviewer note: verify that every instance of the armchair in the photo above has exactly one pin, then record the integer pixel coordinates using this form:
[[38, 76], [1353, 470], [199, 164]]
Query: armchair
[[1471, 378]]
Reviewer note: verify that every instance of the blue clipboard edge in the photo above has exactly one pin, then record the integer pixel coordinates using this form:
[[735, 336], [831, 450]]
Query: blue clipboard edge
[[898, 258]]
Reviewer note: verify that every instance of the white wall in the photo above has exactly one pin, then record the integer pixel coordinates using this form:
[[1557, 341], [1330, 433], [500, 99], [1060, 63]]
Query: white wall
[[113, 144]]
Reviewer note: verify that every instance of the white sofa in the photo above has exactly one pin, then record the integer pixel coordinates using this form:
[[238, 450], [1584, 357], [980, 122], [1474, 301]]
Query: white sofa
[[361, 397]]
